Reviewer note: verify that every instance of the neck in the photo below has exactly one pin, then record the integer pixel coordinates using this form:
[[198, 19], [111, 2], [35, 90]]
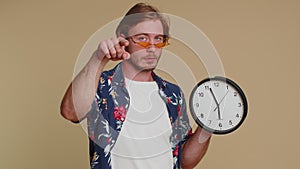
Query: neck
[[136, 75]]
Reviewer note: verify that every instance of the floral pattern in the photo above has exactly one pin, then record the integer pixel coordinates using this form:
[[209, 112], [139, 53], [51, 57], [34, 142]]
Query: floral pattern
[[120, 113], [109, 110]]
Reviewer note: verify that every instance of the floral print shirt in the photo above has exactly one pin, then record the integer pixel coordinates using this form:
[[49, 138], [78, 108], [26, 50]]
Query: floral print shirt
[[108, 114]]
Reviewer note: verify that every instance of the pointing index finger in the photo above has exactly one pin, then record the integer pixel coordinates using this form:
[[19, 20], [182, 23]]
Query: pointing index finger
[[123, 41]]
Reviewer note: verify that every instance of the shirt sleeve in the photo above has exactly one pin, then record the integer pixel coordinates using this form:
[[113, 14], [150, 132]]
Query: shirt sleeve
[[186, 127]]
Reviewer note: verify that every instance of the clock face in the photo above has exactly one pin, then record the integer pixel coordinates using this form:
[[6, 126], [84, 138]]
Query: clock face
[[218, 105]]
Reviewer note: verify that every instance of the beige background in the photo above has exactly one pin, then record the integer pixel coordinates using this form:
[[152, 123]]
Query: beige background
[[258, 42]]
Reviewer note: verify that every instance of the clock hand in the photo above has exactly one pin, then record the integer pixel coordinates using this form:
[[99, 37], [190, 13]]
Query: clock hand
[[212, 93], [222, 100], [219, 113]]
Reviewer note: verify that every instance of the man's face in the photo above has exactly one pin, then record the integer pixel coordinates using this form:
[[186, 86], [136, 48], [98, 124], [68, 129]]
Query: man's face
[[145, 58]]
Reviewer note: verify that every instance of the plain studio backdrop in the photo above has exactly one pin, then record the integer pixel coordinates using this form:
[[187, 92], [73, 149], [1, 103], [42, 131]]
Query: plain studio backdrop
[[258, 43]]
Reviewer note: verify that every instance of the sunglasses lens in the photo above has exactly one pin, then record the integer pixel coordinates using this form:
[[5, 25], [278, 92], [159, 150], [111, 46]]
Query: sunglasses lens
[[144, 44], [160, 45], [147, 44]]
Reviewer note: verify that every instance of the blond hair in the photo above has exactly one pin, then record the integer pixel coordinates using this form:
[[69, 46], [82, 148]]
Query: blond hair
[[139, 13]]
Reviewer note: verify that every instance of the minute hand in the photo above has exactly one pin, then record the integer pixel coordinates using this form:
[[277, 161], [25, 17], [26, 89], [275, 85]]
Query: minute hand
[[212, 93], [221, 100]]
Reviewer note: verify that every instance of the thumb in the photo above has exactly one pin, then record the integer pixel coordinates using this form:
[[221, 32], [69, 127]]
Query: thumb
[[125, 54]]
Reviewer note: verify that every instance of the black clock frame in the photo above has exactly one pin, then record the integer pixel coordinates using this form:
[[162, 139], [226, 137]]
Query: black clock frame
[[240, 92]]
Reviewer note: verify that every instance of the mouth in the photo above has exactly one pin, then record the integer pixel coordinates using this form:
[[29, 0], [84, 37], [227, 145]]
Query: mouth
[[150, 58]]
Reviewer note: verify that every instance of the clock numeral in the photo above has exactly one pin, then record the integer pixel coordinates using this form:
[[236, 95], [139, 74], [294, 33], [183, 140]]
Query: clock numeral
[[201, 94], [197, 105], [239, 104], [220, 125], [202, 115], [234, 94], [209, 122], [237, 115], [227, 87], [216, 84], [230, 122], [206, 87]]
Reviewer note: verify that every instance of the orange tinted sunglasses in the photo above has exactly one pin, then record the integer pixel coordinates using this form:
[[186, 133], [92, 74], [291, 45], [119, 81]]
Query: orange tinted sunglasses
[[146, 44]]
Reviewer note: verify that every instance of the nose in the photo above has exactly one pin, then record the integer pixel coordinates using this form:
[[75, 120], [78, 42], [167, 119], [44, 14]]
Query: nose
[[151, 48]]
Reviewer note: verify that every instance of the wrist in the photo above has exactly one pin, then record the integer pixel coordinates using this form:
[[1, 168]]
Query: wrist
[[99, 58]]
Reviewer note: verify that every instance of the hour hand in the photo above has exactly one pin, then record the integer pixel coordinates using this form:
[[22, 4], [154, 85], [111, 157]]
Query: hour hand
[[215, 99]]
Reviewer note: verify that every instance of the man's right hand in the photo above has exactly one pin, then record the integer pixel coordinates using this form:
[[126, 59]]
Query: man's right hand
[[113, 49], [81, 92]]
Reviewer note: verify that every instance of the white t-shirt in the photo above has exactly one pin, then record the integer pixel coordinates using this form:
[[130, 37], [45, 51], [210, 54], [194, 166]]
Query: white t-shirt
[[144, 140]]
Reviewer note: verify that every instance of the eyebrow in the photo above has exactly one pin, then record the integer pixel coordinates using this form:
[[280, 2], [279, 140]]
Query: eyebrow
[[147, 34]]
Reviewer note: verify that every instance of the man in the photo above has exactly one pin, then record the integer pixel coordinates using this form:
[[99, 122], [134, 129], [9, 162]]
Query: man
[[135, 119]]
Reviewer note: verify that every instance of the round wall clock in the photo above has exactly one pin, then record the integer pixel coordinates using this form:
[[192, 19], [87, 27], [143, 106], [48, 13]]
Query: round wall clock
[[218, 105]]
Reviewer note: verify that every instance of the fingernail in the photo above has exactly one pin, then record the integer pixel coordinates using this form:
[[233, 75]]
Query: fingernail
[[126, 56]]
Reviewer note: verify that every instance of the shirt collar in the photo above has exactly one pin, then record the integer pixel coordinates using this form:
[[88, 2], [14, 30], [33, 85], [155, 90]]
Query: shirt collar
[[119, 80]]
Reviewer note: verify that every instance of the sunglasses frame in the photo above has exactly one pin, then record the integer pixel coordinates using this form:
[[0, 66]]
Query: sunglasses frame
[[148, 44]]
